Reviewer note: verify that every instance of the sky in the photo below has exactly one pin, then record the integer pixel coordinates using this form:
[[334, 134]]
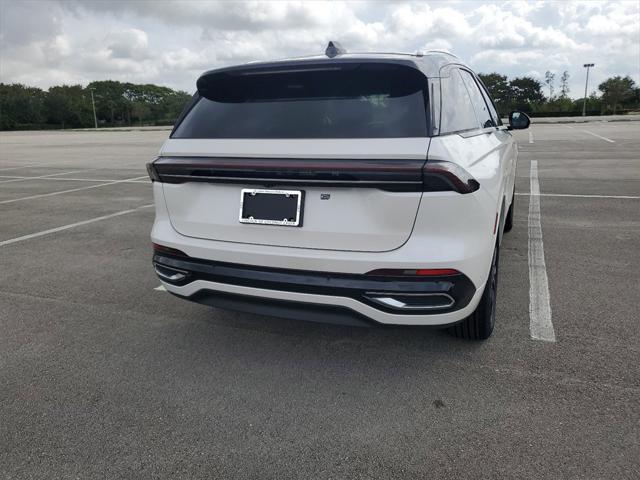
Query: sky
[[45, 43]]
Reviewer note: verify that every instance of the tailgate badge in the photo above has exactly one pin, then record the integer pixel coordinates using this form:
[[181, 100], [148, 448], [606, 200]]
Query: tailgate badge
[[325, 196]]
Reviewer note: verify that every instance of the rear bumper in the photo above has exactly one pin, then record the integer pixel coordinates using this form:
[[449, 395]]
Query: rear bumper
[[319, 296], [451, 231], [281, 308]]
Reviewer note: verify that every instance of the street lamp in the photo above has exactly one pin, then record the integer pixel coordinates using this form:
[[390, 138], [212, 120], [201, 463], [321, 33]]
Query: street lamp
[[584, 105], [93, 103]]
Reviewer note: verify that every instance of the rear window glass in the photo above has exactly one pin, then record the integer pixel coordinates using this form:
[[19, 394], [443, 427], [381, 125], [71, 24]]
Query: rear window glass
[[347, 101]]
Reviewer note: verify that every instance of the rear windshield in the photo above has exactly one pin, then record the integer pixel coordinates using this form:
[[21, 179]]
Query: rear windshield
[[348, 101]]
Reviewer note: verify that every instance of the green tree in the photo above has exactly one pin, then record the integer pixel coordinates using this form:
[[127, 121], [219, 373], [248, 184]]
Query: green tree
[[526, 92], [141, 111], [549, 78], [564, 85], [499, 89], [68, 106], [594, 104], [171, 105], [617, 90], [111, 105], [20, 106]]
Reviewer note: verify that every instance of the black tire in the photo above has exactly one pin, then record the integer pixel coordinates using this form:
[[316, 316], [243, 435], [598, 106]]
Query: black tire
[[508, 222], [479, 325]]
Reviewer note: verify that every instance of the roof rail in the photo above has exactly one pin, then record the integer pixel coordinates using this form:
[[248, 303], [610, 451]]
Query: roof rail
[[443, 52]]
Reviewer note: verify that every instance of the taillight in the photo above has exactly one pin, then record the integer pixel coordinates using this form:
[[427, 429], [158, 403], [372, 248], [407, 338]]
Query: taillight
[[440, 175], [153, 173], [418, 272]]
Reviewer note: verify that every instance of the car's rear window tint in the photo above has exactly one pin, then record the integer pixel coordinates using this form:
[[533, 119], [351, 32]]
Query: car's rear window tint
[[353, 101]]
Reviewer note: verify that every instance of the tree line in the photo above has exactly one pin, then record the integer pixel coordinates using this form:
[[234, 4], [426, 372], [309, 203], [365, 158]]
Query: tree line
[[616, 95], [70, 106], [128, 104]]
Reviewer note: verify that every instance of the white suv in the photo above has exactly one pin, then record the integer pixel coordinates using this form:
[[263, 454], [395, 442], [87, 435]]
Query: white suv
[[344, 187]]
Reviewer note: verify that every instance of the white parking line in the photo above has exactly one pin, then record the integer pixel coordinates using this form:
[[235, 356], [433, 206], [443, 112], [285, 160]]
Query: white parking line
[[21, 166], [625, 197], [71, 225], [60, 179], [540, 326], [530, 137], [160, 288], [22, 179], [599, 136], [13, 200]]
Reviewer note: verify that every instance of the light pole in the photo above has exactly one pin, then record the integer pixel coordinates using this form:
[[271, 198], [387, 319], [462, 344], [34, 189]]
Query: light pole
[[584, 105], [93, 103]]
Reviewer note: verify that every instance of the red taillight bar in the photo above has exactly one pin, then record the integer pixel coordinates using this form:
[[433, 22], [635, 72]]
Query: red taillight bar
[[402, 175], [153, 173], [440, 175]]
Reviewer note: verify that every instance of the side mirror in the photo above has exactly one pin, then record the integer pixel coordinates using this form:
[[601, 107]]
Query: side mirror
[[518, 120]]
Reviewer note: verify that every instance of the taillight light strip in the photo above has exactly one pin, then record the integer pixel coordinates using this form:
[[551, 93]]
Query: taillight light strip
[[402, 175]]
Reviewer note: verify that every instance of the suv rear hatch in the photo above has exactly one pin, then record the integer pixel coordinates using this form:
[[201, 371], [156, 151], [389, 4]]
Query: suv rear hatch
[[351, 136]]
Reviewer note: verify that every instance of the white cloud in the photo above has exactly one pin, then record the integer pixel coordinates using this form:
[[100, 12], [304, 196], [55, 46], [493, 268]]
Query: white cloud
[[502, 58], [57, 49], [128, 43], [498, 28], [438, 44], [185, 59], [172, 42]]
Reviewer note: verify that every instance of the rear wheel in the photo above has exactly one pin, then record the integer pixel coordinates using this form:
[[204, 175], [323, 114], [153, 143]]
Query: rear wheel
[[479, 325]]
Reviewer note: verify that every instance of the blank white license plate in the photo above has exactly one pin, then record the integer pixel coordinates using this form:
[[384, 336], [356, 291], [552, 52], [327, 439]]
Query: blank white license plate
[[271, 207]]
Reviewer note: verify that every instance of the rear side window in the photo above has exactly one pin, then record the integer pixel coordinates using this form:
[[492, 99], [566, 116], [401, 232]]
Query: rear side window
[[487, 99], [479, 105], [337, 101], [457, 113]]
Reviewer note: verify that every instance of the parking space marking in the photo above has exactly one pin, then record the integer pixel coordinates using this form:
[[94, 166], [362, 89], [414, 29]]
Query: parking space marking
[[599, 136], [530, 137], [60, 179], [540, 326], [22, 179], [18, 168], [160, 288], [624, 197], [30, 197], [71, 225]]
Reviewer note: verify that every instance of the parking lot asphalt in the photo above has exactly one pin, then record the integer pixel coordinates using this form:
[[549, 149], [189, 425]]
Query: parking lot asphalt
[[103, 376]]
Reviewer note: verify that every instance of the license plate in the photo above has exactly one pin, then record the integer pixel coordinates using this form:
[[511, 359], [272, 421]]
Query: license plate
[[271, 207]]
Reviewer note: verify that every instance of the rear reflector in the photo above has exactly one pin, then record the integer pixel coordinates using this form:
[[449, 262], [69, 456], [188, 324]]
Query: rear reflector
[[168, 250], [435, 272], [420, 272]]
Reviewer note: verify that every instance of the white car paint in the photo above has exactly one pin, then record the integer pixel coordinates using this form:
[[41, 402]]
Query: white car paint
[[358, 229], [354, 219]]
